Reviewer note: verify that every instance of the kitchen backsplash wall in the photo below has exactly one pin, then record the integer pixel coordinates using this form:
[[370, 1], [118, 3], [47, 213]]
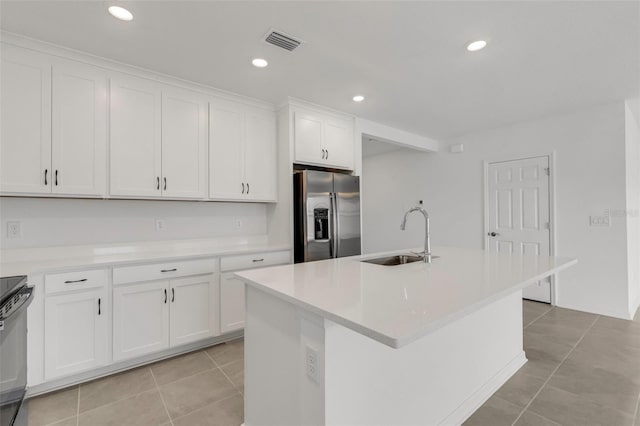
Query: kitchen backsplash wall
[[49, 222]]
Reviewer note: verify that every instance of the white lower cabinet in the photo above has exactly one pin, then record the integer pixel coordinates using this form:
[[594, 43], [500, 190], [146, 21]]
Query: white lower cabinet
[[140, 319], [232, 303], [151, 316], [76, 332], [193, 312]]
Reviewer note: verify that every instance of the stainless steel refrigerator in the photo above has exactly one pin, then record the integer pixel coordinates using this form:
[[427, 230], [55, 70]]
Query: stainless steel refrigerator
[[326, 215]]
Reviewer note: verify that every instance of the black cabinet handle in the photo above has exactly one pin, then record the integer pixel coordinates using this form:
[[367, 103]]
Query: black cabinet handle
[[323, 154], [327, 157], [165, 295], [243, 187], [247, 187], [258, 260], [99, 306], [173, 294], [158, 183], [45, 176], [165, 184], [169, 270], [56, 178], [75, 281]]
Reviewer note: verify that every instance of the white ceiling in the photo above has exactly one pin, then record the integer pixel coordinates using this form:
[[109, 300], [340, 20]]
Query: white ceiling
[[407, 58]]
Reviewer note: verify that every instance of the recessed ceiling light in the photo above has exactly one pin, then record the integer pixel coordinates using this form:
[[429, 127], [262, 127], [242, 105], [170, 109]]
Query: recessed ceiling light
[[358, 98], [120, 13], [474, 46], [259, 62]]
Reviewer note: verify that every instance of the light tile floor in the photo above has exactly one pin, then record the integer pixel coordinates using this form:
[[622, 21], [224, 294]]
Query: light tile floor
[[583, 370]]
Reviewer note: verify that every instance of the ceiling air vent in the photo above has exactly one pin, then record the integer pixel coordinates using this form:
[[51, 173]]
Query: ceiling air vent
[[278, 38]]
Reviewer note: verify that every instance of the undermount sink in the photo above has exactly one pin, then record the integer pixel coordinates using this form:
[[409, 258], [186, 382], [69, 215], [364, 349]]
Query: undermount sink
[[400, 259]]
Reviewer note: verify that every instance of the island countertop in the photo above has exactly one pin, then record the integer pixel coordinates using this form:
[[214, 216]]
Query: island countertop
[[397, 305]]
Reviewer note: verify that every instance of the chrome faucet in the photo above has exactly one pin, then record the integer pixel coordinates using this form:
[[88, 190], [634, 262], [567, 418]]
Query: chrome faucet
[[426, 254]]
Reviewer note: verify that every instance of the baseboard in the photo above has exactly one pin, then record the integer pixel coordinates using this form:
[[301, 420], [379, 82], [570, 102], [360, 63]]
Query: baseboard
[[118, 367], [475, 401]]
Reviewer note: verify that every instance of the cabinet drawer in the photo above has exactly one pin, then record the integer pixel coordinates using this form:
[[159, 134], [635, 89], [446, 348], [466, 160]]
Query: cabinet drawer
[[164, 270], [78, 280], [257, 260]]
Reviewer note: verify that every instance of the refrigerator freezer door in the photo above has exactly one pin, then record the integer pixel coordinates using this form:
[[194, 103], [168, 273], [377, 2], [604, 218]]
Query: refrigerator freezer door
[[318, 227], [347, 205]]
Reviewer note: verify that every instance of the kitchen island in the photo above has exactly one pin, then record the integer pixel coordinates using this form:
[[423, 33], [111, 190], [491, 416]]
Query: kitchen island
[[346, 342]]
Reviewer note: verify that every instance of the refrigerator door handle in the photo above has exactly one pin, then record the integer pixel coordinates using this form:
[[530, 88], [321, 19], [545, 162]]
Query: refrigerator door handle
[[335, 234]]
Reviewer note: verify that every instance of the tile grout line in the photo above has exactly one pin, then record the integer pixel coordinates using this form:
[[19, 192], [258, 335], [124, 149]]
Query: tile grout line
[[224, 374], [554, 372], [166, 410], [538, 317], [205, 406], [78, 410], [635, 418]]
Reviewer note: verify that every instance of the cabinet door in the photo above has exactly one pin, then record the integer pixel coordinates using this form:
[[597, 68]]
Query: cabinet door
[[339, 143], [194, 308], [75, 334], [226, 156], [184, 145], [135, 146], [308, 138], [79, 130], [25, 148], [140, 319], [260, 156], [231, 303]]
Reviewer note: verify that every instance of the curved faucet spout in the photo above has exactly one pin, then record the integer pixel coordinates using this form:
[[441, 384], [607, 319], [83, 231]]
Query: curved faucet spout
[[426, 254]]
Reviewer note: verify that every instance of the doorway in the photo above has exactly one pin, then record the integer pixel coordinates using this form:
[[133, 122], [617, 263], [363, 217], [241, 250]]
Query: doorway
[[518, 213]]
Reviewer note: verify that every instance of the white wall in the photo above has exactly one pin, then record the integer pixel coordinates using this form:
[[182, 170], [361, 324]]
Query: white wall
[[53, 222], [590, 179], [632, 213]]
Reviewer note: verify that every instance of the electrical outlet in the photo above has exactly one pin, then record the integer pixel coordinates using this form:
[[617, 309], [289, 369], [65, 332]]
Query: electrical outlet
[[312, 364], [160, 225], [14, 229], [600, 221], [238, 224]]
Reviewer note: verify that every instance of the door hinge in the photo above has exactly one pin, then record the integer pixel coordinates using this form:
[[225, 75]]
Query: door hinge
[[547, 170]]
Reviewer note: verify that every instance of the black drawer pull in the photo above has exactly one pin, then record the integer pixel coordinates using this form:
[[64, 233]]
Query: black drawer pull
[[169, 270], [99, 306], [165, 295], [75, 281], [258, 260]]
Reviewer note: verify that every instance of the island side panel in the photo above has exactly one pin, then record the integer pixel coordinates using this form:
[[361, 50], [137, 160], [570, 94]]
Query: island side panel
[[441, 378], [272, 361]]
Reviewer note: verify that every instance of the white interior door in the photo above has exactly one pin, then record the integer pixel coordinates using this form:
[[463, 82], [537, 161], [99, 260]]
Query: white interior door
[[518, 194]]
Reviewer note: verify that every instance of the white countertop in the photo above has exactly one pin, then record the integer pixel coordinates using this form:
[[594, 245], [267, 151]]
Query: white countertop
[[396, 305], [49, 259]]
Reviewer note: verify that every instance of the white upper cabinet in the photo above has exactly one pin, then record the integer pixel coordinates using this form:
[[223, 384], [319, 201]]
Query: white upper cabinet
[[79, 129], [136, 153], [226, 151], [25, 147], [323, 139], [184, 144], [242, 152]]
